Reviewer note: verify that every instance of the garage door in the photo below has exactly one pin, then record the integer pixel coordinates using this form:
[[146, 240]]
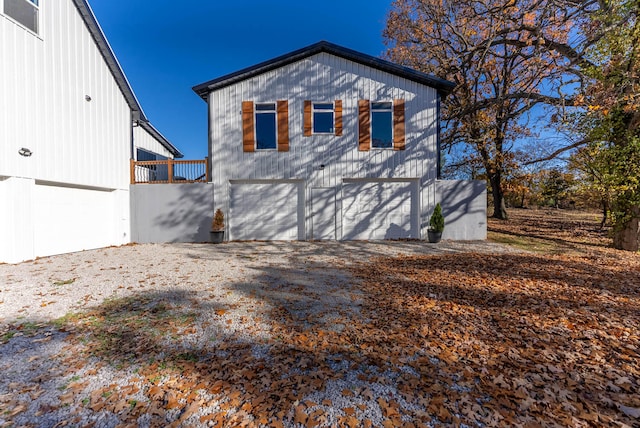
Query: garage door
[[380, 210], [68, 219], [266, 211]]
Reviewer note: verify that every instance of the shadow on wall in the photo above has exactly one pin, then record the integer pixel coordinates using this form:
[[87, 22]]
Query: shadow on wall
[[182, 213], [464, 208], [171, 212], [338, 155], [394, 232]]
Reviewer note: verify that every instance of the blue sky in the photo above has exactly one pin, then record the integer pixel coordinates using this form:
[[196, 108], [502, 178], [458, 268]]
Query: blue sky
[[167, 47]]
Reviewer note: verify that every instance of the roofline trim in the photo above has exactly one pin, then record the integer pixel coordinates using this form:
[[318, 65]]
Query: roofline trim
[[104, 47], [443, 86], [147, 126], [115, 68]]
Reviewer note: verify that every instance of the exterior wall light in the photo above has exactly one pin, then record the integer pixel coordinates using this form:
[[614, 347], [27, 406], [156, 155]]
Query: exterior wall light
[[25, 152], [87, 98]]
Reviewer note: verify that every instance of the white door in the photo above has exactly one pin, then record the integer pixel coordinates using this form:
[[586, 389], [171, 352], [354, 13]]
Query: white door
[[68, 219], [380, 210], [266, 211], [323, 213]]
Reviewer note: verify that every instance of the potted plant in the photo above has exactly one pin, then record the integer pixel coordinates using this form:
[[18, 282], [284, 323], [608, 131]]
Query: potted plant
[[436, 224], [217, 227]]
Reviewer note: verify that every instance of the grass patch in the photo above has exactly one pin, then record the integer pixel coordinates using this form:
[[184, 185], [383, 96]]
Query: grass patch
[[527, 243], [125, 329], [550, 231], [7, 336]]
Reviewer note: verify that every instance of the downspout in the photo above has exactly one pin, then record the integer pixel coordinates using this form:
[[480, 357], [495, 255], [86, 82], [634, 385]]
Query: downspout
[[438, 148], [209, 139], [133, 121]]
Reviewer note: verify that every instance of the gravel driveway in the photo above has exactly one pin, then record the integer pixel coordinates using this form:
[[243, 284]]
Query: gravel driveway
[[51, 377]]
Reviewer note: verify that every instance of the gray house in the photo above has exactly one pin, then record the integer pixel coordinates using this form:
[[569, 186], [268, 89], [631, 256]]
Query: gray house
[[329, 143]]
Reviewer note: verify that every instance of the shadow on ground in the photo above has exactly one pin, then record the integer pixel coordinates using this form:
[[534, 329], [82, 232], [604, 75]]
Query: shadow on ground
[[479, 339]]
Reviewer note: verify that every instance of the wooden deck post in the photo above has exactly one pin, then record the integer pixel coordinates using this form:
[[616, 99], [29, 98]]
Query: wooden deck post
[[206, 165], [170, 163], [132, 170]]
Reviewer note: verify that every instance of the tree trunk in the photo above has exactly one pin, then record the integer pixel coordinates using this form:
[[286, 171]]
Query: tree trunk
[[499, 207], [628, 236], [605, 213]]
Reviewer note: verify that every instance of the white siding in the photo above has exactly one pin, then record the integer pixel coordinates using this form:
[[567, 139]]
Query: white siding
[[43, 81], [143, 140], [324, 77], [73, 192], [266, 210]]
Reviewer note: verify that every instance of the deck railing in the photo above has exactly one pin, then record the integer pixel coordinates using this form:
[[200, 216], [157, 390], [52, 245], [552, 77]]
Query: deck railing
[[170, 171]]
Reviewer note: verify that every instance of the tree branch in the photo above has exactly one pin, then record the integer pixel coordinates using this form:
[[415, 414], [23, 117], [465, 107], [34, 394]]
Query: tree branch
[[557, 152]]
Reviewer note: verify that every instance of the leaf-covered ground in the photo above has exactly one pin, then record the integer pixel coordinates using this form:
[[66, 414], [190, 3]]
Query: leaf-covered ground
[[451, 339], [551, 231]]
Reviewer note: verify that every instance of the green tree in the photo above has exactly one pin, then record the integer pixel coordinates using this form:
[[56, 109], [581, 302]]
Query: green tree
[[612, 120], [556, 187]]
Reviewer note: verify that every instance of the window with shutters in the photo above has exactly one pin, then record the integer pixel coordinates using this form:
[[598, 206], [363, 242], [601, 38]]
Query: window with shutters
[[381, 125], [322, 118], [25, 12], [266, 128]]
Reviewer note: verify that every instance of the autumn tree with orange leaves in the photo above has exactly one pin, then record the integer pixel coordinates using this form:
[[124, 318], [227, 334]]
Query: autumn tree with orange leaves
[[496, 53]]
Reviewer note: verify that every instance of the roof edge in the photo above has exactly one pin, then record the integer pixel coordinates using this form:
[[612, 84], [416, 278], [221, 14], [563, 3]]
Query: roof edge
[[444, 87], [109, 57], [147, 126], [117, 72]]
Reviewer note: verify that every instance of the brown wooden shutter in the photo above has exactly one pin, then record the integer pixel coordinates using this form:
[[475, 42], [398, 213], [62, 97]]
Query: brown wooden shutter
[[398, 125], [248, 138], [364, 126], [307, 119], [283, 125], [338, 117]]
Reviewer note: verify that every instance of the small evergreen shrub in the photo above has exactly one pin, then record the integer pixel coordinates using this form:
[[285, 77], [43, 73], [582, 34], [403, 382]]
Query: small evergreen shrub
[[436, 222]]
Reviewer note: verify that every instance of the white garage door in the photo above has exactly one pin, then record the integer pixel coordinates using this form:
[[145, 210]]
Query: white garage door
[[380, 210], [266, 211], [68, 219]]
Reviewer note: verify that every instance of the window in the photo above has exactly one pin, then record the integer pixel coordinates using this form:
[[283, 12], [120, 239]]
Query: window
[[144, 155], [323, 118], [23, 11], [382, 125], [266, 126], [154, 172]]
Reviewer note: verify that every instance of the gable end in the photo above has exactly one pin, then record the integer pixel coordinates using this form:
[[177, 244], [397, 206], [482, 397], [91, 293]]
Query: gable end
[[444, 87]]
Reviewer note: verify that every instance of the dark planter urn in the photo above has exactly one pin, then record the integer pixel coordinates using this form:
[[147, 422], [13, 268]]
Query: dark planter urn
[[434, 237], [217, 236]]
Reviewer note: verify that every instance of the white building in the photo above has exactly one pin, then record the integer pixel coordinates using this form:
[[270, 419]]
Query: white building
[[329, 143], [69, 125]]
